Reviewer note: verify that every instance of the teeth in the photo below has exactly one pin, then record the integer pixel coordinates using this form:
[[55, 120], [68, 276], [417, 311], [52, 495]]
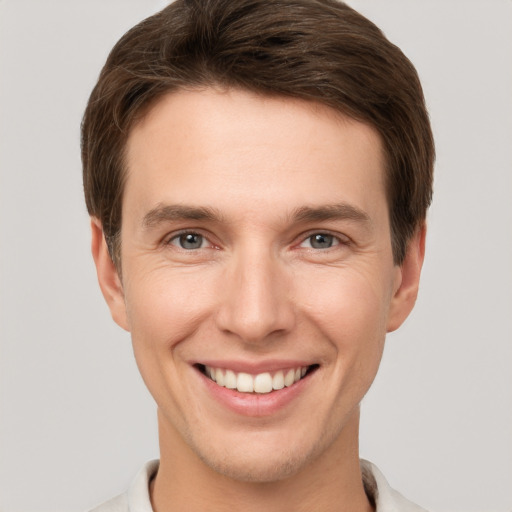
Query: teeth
[[219, 377], [245, 383], [278, 380], [230, 380], [289, 378], [261, 383]]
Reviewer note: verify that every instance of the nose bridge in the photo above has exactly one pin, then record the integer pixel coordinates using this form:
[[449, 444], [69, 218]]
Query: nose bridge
[[256, 302]]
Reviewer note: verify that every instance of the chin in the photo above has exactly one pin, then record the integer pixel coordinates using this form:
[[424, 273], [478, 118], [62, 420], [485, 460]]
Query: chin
[[256, 469], [260, 462]]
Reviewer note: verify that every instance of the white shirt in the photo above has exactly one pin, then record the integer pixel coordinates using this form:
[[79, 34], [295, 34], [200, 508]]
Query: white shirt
[[136, 498]]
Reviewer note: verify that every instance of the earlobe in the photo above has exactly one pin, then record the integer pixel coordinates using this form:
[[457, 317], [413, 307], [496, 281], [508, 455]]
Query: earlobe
[[408, 280], [108, 276]]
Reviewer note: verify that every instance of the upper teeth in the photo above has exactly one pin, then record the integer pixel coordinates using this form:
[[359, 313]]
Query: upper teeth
[[260, 383]]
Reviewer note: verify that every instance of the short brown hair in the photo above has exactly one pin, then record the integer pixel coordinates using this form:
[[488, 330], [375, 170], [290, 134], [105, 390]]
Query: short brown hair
[[317, 50]]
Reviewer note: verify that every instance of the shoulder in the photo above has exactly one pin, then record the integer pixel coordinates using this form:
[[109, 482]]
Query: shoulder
[[137, 495], [379, 491]]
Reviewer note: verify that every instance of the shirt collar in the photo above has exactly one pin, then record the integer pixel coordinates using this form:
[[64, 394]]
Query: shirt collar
[[384, 498]]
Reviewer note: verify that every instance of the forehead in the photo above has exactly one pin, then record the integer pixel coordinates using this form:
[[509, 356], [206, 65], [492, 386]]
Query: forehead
[[235, 150]]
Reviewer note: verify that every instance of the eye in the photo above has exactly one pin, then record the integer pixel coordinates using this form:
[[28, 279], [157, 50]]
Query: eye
[[189, 241], [320, 241]]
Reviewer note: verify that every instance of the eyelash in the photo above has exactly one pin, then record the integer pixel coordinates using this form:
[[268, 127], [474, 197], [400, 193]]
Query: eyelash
[[340, 240], [177, 236]]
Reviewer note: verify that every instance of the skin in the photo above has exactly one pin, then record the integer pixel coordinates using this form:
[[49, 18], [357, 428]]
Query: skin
[[257, 289]]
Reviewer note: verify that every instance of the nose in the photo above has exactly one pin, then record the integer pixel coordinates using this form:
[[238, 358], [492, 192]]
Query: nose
[[255, 301]]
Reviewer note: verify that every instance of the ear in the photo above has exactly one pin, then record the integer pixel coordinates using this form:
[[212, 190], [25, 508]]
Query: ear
[[108, 276], [408, 280]]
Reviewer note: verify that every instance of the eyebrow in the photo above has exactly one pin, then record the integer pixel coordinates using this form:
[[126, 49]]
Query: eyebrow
[[166, 213], [341, 211]]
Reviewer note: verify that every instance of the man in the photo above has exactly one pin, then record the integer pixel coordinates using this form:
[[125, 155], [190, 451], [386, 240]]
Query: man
[[258, 175]]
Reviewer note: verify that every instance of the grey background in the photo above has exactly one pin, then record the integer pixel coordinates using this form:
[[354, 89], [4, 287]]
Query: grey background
[[76, 422]]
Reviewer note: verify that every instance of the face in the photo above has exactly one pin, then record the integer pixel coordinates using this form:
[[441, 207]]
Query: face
[[257, 276]]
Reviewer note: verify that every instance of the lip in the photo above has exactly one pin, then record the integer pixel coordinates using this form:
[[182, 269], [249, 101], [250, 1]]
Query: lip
[[254, 367], [255, 404]]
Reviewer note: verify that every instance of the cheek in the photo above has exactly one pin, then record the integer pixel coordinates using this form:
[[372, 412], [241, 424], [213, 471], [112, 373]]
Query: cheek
[[347, 303], [350, 310], [165, 306]]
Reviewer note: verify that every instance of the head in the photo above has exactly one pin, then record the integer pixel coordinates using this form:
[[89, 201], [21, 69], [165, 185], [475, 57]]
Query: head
[[260, 172], [320, 51]]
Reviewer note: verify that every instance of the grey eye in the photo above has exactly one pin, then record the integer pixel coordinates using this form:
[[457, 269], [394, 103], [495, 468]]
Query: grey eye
[[322, 241], [189, 241]]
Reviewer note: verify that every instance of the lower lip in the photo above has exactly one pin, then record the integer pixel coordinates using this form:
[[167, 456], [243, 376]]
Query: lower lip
[[255, 404]]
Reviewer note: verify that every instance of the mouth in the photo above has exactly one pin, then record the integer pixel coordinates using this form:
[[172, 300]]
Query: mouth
[[261, 383]]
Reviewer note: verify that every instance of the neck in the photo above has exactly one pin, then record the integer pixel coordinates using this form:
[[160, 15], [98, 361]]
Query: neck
[[330, 482]]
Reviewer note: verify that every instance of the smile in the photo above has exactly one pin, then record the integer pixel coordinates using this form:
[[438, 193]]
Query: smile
[[261, 383]]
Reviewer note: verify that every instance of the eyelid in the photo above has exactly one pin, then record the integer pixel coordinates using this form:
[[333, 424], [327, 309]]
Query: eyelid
[[340, 237], [188, 231], [343, 239]]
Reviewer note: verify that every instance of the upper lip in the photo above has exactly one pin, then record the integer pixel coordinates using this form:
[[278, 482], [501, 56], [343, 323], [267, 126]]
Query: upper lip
[[254, 367]]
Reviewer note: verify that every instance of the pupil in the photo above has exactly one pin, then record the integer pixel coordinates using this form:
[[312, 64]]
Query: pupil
[[321, 241], [191, 241]]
